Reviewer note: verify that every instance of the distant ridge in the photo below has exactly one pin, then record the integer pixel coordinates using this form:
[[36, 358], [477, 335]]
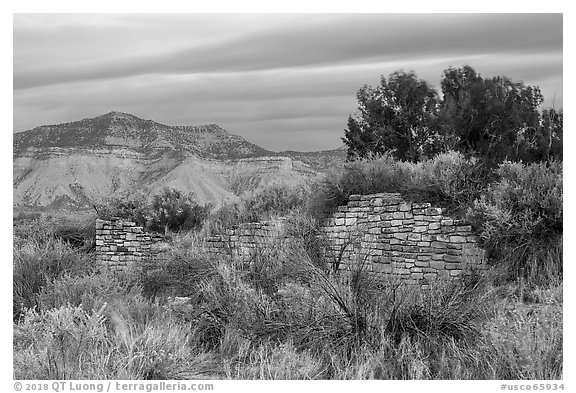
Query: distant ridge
[[123, 129], [73, 165]]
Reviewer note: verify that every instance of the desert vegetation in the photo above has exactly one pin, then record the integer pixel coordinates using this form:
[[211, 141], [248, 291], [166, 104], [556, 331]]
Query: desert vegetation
[[286, 314]]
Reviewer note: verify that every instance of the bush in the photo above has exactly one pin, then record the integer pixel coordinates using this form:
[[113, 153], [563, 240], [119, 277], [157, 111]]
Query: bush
[[108, 343], [89, 291], [173, 210], [37, 262], [520, 217], [129, 206], [276, 199], [449, 180], [264, 203], [170, 209], [227, 216]]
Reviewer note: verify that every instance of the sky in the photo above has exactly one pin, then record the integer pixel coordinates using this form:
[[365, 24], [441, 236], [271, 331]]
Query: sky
[[282, 81]]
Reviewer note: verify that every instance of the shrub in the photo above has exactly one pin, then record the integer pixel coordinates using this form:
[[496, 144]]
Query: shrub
[[383, 174], [39, 261], [129, 206], [174, 210], [449, 180], [262, 204], [275, 199], [227, 216], [108, 343], [170, 209], [78, 234], [89, 291], [520, 216]]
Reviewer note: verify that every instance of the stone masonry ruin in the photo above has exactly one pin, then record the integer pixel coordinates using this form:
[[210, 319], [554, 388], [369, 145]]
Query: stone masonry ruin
[[409, 241], [122, 244], [412, 242]]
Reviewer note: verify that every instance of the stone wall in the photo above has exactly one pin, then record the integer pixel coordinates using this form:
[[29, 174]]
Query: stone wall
[[247, 239], [121, 244], [413, 242]]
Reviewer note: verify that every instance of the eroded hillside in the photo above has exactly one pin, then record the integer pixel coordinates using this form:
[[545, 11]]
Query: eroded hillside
[[74, 165]]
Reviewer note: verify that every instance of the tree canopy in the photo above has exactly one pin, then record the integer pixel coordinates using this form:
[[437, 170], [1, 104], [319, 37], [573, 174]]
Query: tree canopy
[[494, 118]]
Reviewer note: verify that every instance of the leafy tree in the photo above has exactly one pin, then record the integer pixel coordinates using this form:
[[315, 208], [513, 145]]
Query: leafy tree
[[491, 117], [398, 117], [495, 118]]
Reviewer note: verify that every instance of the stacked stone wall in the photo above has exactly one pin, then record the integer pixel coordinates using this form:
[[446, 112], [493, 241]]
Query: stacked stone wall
[[247, 240], [413, 242], [121, 244], [385, 234]]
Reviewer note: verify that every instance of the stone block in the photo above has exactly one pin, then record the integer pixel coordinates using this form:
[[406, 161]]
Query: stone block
[[404, 207], [438, 245], [419, 229], [396, 223], [350, 221], [401, 236], [457, 239], [422, 263], [453, 266], [433, 211], [447, 222], [434, 225], [437, 265], [421, 205], [452, 258]]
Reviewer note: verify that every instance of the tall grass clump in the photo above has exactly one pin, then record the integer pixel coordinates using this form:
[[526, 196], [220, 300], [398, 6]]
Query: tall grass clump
[[264, 203], [39, 258], [106, 343], [520, 220]]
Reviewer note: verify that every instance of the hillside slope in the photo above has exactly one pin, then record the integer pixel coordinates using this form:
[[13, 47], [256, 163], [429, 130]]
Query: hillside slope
[[74, 165]]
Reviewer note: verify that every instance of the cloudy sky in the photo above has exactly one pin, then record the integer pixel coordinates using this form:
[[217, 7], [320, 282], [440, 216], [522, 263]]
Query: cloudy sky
[[283, 81]]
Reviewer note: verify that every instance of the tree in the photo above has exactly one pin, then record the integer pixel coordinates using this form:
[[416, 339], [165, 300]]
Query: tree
[[398, 117], [490, 117]]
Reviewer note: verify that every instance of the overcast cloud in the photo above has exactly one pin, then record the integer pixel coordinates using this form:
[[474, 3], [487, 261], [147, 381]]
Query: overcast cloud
[[281, 81]]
